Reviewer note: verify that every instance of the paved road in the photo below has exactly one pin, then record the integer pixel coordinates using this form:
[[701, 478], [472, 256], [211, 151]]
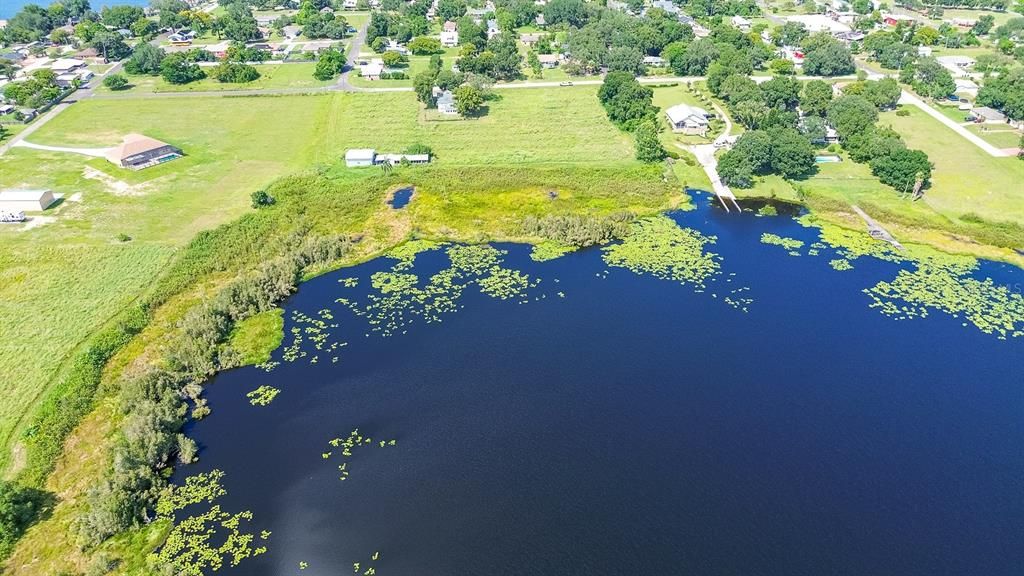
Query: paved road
[[908, 98]]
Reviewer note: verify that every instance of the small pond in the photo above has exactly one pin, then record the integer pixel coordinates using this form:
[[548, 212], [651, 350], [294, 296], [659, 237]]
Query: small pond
[[401, 197]]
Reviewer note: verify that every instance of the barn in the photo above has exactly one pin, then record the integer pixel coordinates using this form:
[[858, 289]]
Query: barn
[[26, 200]]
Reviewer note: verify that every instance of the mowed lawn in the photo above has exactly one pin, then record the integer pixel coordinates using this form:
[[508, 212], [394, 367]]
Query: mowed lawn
[[965, 179], [62, 280], [523, 126], [295, 75]]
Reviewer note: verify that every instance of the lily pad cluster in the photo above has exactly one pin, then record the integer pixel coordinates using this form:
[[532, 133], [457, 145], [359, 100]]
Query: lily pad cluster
[[346, 447], [792, 245], [263, 395], [204, 542], [659, 247]]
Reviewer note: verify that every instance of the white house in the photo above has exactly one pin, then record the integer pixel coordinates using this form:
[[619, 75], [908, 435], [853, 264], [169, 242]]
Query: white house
[[492, 29], [17, 200], [449, 38], [446, 103], [957, 65], [549, 60], [656, 61], [360, 157], [924, 50], [291, 31], [742, 23], [65, 65], [372, 69], [688, 119]]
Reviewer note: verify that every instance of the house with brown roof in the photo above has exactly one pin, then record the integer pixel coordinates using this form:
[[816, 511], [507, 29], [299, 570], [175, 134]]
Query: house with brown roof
[[137, 152]]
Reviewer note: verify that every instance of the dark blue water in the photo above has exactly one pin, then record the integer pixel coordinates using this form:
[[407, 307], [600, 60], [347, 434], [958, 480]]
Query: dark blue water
[[637, 427], [401, 198], [9, 8]]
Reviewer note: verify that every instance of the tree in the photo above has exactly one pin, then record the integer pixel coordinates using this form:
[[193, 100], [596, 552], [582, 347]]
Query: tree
[[116, 82], [625, 100], [329, 65], [826, 56], [392, 59], [931, 79], [902, 169], [925, 36], [814, 129], [792, 155], [238, 24], [897, 56], [739, 88], [234, 73], [111, 45], [1005, 92], [983, 25], [781, 92], [569, 12], [816, 98], [468, 100], [756, 147], [734, 169], [694, 61], [535, 66], [260, 198], [884, 93], [626, 59], [121, 16], [851, 115], [18, 508], [451, 9], [145, 59], [789, 34], [648, 147], [7, 69], [144, 28], [424, 45], [423, 85], [179, 68]]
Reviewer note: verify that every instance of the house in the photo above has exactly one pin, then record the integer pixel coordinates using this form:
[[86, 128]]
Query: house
[[350, 4], [492, 29], [896, 19], [966, 86], [13, 56], [327, 10], [539, 20], [372, 69], [819, 23], [355, 157], [478, 14], [957, 65], [964, 22], [219, 50], [17, 200], [986, 115], [393, 46], [65, 65], [449, 38], [90, 56], [66, 80], [450, 26], [530, 40], [549, 60], [6, 109], [742, 23], [668, 6], [849, 37], [446, 103], [291, 31], [179, 39], [924, 51], [655, 61], [137, 152], [688, 119]]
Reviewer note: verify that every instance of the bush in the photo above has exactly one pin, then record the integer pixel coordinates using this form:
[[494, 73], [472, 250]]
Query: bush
[[235, 73], [116, 82], [578, 231], [18, 508], [260, 198]]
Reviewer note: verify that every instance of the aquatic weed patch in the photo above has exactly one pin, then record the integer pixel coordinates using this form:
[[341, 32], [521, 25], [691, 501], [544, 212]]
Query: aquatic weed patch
[[263, 395], [349, 445], [549, 250], [790, 244], [203, 543]]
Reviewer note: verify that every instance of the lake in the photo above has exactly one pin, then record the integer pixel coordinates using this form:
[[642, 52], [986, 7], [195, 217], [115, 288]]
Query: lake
[[9, 8], [605, 421]]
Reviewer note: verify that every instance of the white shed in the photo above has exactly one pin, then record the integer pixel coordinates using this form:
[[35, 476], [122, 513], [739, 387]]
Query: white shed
[[26, 200], [360, 157]]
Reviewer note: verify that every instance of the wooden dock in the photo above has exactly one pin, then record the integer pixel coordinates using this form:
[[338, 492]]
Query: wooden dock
[[875, 230], [705, 154]]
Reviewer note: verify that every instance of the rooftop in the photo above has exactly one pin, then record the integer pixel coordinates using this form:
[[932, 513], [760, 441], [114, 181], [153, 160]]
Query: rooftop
[[131, 145]]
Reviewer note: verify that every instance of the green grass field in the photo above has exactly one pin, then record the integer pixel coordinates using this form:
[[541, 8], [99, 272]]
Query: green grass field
[[272, 75], [965, 179], [60, 281]]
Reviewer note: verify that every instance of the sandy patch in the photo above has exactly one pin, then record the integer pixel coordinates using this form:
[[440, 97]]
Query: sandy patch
[[113, 185], [37, 221], [76, 197]]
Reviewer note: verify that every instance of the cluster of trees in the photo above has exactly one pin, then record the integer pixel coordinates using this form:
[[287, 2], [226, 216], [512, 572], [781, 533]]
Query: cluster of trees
[[156, 401], [725, 51], [400, 27], [854, 119], [928, 77], [618, 41], [38, 90], [234, 72], [330, 64], [826, 56], [34, 22], [778, 150], [498, 58], [629, 106], [470, 90], [320, 25], [1005, 92]]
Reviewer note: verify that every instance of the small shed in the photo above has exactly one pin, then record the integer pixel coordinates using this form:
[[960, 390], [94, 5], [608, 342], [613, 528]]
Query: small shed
[[355, 157], [26, 200]]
